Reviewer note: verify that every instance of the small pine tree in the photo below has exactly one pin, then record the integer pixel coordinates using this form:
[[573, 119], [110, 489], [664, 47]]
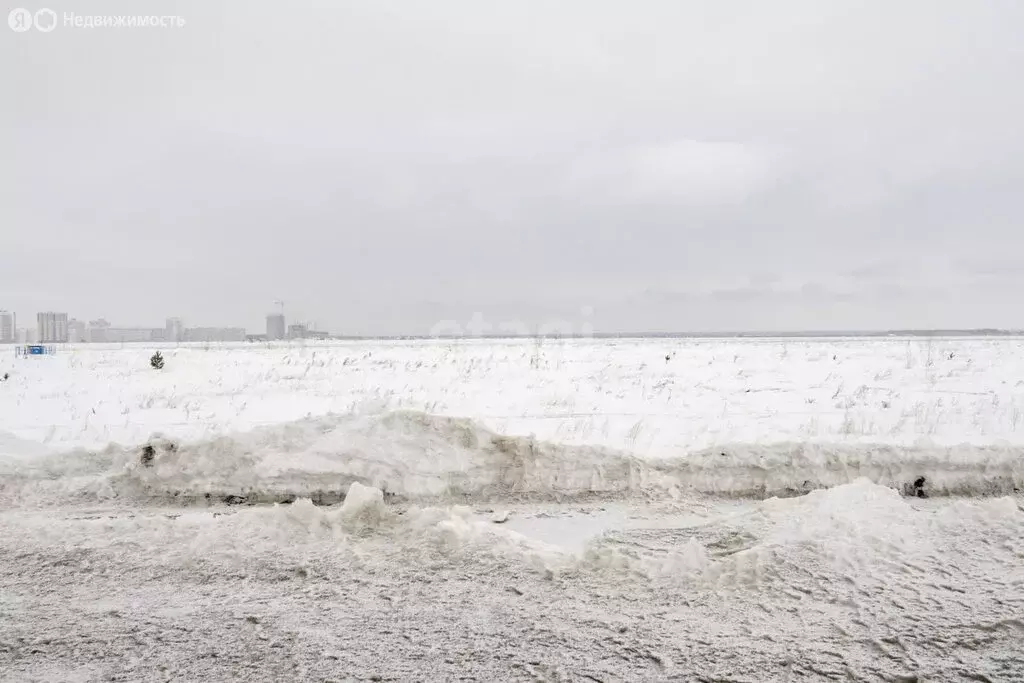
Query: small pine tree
[[157, 361]]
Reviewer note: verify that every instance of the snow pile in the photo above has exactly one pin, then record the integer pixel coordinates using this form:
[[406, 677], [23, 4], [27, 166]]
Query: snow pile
[[863, 539], [410, 454], [855, 534], [846, 542], [364, 525], [415, 456]]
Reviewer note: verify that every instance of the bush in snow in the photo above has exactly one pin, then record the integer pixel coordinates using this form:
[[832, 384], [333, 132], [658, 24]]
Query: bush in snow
[[157, 361]]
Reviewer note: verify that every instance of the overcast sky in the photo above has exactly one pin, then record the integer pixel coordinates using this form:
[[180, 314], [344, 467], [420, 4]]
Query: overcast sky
[[383, 166]]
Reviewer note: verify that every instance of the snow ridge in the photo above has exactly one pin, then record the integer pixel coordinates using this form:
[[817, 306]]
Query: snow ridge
[[417, 456]]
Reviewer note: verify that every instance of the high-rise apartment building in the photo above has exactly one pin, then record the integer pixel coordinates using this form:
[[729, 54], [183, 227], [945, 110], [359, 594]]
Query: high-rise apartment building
[[215, 334], [275, 326], [122, 335], [175, 330], [77, 331], [97, 330], [8, 327], [53, 327]]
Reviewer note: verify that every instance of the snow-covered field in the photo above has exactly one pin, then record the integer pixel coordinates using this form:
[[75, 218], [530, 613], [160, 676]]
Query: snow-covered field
[[606, 510], [623, 394]]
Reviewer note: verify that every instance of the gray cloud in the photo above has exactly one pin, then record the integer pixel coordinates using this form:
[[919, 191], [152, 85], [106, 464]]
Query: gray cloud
[[382, 165]]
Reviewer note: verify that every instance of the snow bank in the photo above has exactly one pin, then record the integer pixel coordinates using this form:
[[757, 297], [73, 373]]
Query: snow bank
[[419, 457], [846, 542], [770, 469]]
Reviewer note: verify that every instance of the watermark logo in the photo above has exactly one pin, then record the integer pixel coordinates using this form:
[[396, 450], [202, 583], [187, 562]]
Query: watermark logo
[[478, 326], [20, 20], [45, 20]]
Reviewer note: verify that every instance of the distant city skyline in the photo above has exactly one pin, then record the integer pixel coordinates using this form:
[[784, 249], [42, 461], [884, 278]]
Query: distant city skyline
[[95, 316], [62, 327]]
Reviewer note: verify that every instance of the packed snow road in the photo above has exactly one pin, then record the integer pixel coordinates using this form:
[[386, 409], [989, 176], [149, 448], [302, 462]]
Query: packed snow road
[[852, 583]]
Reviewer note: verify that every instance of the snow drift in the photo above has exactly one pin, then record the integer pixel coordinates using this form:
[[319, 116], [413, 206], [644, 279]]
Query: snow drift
[[416, 456]]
